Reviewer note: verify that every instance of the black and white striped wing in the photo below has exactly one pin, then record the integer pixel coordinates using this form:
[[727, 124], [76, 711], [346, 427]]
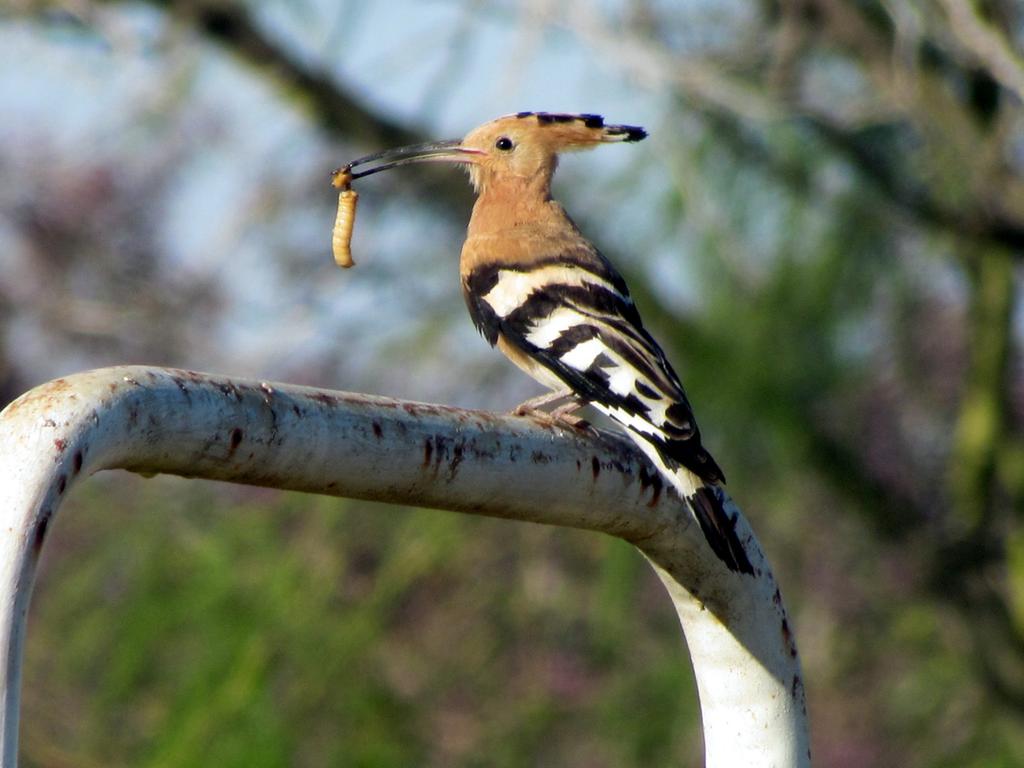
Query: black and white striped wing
[[573, 315]]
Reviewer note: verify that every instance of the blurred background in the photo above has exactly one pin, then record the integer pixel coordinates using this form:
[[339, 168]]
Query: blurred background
[[824, 230]]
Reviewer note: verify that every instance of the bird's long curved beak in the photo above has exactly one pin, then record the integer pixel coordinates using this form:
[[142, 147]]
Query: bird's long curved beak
[[432, 152]]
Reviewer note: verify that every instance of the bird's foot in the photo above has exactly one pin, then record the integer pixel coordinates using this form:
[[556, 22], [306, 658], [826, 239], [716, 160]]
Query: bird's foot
[[561, 416]]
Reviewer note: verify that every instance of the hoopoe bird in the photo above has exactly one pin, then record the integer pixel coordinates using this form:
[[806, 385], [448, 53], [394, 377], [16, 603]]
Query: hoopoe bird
[[540, 292]]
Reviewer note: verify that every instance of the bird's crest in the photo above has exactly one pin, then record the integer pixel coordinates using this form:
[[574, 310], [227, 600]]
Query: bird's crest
[[568, 131]]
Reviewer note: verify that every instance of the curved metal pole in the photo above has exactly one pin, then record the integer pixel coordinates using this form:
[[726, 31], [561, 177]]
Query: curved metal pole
[[197, 425]]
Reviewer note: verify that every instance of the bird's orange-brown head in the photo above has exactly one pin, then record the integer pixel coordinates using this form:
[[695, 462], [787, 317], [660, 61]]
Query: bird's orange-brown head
[[523, 149], [520, 150]]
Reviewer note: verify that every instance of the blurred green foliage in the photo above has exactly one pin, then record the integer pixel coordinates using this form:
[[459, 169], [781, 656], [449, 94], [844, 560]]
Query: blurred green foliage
[[233, 627]]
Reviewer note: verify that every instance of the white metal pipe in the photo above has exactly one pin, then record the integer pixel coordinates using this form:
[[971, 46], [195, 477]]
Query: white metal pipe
[[152, 420]]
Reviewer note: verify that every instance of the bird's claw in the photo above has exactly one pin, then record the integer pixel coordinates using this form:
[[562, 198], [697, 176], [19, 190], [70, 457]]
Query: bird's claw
[[560, 417]]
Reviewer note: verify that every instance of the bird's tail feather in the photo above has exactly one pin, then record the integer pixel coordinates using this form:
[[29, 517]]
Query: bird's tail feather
[[719, 529], [705, 501]]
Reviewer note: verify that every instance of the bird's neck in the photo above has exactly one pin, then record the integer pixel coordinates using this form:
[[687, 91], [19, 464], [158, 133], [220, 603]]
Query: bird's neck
[[515, 203]]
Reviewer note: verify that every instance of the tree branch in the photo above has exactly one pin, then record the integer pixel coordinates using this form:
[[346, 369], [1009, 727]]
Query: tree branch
[[986, 227], [986, 44], [730, 99], [230, 25]]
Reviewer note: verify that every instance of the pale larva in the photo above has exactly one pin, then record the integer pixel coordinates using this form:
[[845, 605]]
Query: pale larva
[[341, 238]]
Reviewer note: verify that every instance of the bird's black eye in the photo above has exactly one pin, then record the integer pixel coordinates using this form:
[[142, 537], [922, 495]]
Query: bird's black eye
[[504, 144]]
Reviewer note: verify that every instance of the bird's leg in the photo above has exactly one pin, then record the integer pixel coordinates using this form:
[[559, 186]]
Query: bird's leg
[[564, 414], [560, 414], [566, 410], [533, 405]]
